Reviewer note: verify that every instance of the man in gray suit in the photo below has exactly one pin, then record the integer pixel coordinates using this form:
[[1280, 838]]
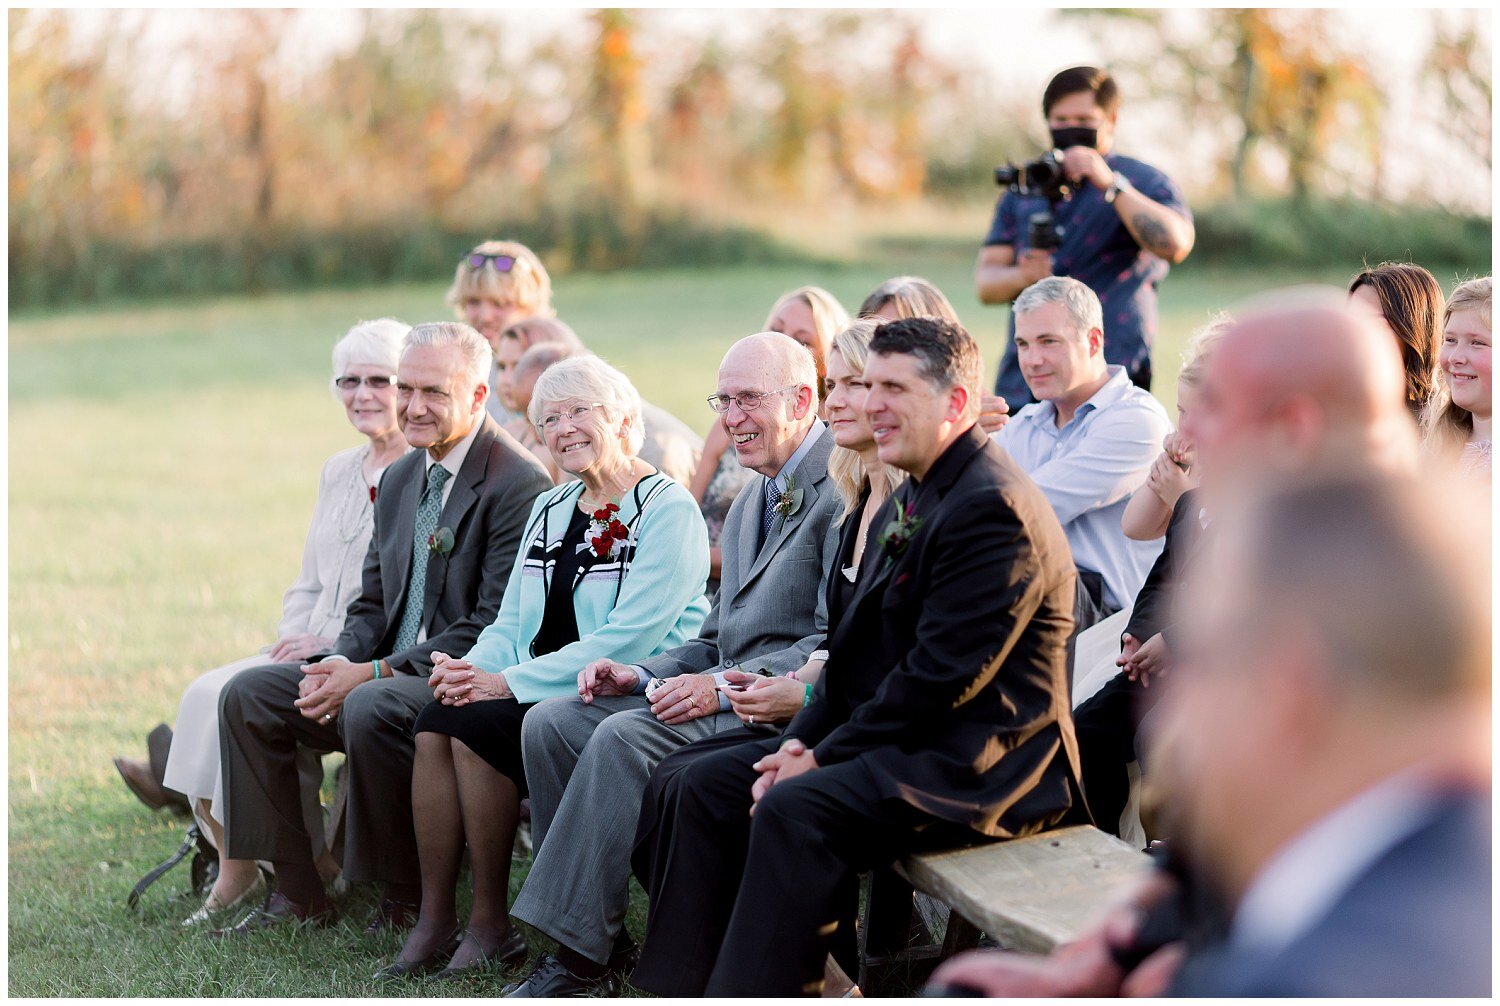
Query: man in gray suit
[[588, 761], [448, 522]]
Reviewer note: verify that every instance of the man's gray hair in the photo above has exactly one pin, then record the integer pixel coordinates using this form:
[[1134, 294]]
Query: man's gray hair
[[589, 379], [472, 347], [1081, 303]]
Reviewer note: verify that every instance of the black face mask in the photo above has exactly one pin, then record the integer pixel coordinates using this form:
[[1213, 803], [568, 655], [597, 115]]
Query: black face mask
[[1075, 136]]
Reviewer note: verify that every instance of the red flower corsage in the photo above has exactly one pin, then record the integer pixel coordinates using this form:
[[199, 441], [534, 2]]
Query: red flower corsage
[[606, 533]]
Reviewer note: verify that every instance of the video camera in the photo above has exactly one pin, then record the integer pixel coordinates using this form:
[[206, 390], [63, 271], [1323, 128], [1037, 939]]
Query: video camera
[[1043, 177]]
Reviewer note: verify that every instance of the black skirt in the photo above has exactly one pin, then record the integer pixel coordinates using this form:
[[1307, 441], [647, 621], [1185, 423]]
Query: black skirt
[[491, 729]]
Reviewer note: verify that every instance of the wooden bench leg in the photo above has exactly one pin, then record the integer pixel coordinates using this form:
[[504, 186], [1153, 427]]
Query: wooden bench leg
[[961, 935], [333, 836]]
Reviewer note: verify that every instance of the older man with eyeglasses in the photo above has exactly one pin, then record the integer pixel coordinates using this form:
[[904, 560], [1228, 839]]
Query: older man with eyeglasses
[[588, 759]]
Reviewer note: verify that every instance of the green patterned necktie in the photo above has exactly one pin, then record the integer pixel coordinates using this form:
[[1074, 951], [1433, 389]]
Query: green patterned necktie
[[428, 510]]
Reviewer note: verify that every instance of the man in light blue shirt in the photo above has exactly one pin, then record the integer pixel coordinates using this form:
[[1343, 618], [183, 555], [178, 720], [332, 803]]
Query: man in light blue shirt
[[1088, 441]]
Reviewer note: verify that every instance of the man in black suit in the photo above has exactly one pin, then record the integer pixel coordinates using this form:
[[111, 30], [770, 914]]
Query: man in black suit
[[941, 717], [448, 521]]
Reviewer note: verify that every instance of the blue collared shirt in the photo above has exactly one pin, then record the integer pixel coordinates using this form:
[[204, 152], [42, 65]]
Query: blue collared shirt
[[1088, 468]]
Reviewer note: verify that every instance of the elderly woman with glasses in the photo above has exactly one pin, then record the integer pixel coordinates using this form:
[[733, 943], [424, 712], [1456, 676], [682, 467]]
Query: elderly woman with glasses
[[364, 367], [610, 565]]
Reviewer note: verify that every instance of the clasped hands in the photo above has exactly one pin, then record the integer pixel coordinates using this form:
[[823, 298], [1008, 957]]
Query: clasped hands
[[1142, 660], [791, 760], [456, 682], [1168, 478]]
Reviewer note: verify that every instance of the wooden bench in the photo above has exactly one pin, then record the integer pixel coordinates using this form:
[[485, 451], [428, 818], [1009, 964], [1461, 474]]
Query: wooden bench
[[1029, 894]]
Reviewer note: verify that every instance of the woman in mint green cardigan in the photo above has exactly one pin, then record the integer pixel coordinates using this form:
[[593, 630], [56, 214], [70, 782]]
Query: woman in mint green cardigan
[[612, 564]]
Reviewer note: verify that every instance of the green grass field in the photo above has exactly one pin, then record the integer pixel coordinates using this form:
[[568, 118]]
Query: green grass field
[[163, 466]]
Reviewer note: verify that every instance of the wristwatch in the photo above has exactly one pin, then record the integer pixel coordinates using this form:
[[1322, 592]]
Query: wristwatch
[[1119, 184]]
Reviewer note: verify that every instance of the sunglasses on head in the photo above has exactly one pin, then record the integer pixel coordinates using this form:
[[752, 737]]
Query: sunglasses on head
[[502, 263]]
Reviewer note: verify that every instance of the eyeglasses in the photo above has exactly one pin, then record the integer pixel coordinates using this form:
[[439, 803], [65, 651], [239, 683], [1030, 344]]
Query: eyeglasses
[[377, 383], [748, 401], [502, 263], [574, 416]]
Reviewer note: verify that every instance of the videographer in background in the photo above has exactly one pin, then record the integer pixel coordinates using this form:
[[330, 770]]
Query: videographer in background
[[1124, 224]]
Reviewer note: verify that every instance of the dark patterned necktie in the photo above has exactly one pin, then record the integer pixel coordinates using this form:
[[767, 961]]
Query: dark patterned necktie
[[429, 508], [768, 519]]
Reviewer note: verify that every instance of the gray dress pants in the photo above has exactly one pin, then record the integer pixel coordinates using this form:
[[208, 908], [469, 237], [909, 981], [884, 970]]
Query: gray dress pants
[[587, 766], [259, 730]]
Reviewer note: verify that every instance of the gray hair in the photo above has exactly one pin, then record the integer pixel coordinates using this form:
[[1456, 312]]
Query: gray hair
[[590, 379], [470, 344], [373, 343], [1081, 303], [541, 356]]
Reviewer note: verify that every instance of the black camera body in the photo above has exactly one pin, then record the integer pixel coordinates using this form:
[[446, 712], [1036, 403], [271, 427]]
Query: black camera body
[[1043, 177], [1040, 177]]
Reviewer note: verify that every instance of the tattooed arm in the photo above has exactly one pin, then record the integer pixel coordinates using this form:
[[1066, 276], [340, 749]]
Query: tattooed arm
[[1159, 230]]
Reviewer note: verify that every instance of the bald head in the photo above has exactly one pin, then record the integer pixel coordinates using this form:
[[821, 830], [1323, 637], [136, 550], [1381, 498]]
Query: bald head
[[779, 375], [1288, 388], [780, 357]]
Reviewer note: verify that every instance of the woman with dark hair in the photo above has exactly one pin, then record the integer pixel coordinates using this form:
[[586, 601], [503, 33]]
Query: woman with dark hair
[[1407, 301]]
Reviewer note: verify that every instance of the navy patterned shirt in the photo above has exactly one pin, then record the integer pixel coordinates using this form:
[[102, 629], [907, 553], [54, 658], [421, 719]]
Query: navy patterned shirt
[[1096, 250]]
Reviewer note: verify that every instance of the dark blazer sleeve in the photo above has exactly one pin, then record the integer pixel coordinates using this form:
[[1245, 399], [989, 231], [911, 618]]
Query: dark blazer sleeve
[[500, 525], [983, 587], [365, 618], [1153, 605]]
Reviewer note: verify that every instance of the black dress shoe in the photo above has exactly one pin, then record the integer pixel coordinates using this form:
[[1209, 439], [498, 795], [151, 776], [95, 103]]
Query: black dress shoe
[[552, 980], [511, 951], [427, 965], [392, 915], [279, 910]]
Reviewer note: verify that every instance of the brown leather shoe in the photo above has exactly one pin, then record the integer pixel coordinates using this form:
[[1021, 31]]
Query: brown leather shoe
[[392, 916], [137, 775], [279, 910]]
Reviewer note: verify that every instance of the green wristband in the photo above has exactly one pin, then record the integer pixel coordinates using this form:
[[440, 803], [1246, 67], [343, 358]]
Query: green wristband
[[807, 698], [375, 672]]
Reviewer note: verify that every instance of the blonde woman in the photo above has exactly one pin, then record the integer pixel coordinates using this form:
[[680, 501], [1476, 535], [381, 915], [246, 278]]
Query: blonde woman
[[811, 316], [1457, 420], [1150, 508], [497, 284]]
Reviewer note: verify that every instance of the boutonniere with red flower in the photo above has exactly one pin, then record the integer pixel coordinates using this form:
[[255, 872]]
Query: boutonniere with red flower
[[900, 531], [606, 535], [440, 542]]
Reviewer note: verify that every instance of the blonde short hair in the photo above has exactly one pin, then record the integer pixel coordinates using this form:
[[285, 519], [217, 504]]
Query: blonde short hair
[[525, 284], [1200, 344], [590, 379]]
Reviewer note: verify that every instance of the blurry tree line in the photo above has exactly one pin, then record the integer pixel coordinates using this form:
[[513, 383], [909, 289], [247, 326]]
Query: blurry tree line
[[621, 145]]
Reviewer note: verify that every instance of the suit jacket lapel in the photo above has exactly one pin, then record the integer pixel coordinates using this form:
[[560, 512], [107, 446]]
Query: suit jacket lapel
[[461, 499], [811, 477], [749, 535], [922, 500], [399, 540]]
